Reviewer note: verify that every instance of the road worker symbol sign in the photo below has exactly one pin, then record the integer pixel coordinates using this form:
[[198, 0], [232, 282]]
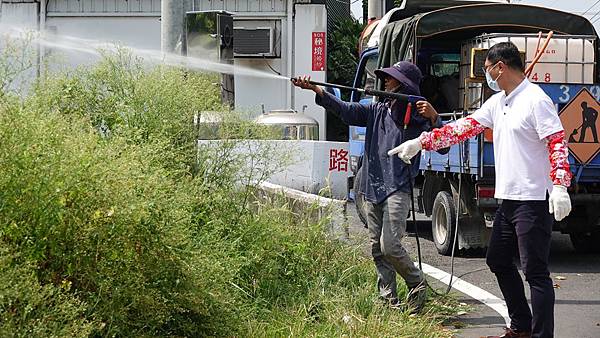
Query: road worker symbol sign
[[582, 126]]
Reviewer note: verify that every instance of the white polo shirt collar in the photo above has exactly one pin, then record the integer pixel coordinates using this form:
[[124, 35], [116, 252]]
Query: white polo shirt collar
[[507, 100]]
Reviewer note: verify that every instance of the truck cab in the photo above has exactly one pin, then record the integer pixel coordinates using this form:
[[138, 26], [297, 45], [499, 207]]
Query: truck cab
[[449, 45]]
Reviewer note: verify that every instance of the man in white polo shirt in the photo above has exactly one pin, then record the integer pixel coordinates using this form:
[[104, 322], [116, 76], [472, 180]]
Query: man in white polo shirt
[[531, 159]]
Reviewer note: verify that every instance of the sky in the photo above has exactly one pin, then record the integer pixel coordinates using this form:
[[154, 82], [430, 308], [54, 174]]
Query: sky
[[574, 6]]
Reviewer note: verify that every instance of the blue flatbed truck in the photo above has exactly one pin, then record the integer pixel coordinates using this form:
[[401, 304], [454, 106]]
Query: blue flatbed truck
[[434, 39]]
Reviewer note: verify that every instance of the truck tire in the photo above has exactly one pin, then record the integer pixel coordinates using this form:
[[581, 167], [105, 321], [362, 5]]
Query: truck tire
[[359, 198], [443, 222], [586, 242]]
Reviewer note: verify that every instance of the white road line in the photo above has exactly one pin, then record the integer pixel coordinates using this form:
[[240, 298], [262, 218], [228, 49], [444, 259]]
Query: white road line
[[470, 290]]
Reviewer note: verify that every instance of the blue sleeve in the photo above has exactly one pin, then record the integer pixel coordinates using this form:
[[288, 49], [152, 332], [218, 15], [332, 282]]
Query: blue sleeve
[[353, 113], [438, 124], [423, 123]]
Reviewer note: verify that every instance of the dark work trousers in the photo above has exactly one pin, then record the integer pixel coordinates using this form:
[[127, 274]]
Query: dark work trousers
[[387, 227], [524, 228]]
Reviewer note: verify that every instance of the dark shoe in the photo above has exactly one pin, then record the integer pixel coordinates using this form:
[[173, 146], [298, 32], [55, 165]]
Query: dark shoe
[[416, 297], [510, 333]]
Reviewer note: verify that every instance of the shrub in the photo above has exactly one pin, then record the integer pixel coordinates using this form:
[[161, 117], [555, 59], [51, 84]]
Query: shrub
[[103, 216], [28, 308]]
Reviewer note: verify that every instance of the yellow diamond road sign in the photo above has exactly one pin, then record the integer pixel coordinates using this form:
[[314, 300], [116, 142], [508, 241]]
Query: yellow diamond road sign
[[582, 126]]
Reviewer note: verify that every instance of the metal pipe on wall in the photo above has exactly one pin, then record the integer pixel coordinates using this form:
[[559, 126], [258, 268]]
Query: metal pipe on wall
[[41, 28], [290, 52], [171, 26]]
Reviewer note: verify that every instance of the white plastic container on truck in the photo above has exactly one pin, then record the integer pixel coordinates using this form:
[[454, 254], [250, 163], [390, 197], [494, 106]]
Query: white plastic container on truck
[[568, 59]]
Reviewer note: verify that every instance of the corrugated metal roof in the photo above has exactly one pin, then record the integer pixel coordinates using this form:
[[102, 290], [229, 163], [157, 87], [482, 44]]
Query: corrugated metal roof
[[153, 6], [240, 5], [103, 6], [337, 9]]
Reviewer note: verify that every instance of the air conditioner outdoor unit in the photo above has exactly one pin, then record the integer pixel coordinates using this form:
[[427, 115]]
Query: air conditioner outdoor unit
[[254, 42]]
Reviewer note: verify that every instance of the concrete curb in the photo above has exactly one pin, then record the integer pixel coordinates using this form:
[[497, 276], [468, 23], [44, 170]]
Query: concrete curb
[[317, 208]]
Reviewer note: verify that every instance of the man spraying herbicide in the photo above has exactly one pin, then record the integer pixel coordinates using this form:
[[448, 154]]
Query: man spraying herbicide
[[387, 181], [531, 159]]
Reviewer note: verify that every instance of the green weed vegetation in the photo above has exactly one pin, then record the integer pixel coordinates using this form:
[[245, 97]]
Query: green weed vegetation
[[114, 224]]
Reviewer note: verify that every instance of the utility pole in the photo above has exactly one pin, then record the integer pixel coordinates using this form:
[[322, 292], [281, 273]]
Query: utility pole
[[375, 9], [171, 26]]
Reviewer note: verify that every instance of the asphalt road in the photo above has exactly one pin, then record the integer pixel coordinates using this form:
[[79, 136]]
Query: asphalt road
[[576, 277]]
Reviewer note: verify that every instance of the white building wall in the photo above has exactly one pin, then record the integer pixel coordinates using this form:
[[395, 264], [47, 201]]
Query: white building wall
[[24, 15], [252, 92], [130, 23], [138, 32]]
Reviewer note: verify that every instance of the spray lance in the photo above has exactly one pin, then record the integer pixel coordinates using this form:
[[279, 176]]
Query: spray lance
[[411, 100]]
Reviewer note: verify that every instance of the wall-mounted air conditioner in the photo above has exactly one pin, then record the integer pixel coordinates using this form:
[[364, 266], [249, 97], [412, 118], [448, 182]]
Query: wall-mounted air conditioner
[[255, 42]]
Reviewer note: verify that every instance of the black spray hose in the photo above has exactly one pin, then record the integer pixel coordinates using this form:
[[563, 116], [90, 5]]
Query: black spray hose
[[456, 219], [460, 161], [414, 217], [412, 196]]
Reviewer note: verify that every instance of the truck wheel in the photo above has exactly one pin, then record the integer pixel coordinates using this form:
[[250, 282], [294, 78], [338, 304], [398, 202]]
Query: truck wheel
[[586, 242], [443, 218], [359, 198]]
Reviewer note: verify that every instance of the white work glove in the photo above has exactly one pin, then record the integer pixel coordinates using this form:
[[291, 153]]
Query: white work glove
[[560, 202], [407, 150]]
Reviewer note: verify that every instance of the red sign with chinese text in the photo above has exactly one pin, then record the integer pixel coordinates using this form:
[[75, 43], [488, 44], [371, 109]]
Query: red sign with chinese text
[[338, 160], [318, 51]]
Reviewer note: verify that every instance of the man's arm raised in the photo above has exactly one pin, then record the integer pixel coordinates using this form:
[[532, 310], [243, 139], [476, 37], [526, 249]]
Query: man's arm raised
[[450, 134]]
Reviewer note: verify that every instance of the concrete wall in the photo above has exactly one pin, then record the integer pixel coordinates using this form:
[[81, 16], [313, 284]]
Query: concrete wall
[[311, 167], [315, 170], [332, 213]]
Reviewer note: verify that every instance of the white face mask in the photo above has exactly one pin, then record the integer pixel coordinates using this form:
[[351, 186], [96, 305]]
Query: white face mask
[[493, 84]]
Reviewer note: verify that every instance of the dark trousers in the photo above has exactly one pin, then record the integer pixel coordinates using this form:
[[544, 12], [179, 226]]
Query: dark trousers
[[524, 228]]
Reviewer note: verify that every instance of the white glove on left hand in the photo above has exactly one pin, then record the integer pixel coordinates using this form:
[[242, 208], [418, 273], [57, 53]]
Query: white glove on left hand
[[560, 202], [407, 150]]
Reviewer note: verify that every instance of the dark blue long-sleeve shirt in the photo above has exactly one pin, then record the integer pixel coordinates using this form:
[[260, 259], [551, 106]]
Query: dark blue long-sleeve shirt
[[383, 175]]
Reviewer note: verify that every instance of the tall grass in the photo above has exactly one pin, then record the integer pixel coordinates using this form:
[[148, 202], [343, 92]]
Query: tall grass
[[113, 223]]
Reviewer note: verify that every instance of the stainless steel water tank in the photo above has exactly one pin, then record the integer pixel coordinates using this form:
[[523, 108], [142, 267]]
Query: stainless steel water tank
[[290, 125]]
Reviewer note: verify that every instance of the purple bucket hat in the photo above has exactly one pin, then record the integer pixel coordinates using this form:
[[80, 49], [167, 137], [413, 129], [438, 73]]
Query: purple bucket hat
[[406, 73]]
